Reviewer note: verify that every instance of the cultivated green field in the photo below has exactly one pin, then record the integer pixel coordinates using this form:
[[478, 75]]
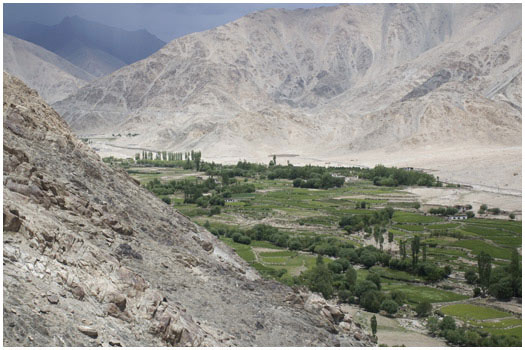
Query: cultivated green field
[[488, 319], [321, 217]]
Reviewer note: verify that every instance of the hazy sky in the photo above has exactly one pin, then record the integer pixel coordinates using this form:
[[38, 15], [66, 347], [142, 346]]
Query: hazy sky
[[167, 21]]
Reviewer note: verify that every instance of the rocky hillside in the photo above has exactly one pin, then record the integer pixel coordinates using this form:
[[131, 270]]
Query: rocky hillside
[[91, 258], [92, 46], [52, 76], [340, 79]]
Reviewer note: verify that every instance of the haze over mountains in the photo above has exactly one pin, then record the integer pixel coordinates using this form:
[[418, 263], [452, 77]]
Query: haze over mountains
[[52, 76], [333, 80], [94, 47]]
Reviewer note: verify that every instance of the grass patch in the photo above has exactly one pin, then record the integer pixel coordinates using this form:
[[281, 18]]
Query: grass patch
[[478, 246], [407, 217], [243, 250], [409, 227], [473, 312], [417, 294]]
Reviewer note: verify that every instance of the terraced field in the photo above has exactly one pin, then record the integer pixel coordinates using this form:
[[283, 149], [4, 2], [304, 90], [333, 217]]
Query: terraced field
[[491, 320], [301, 212]]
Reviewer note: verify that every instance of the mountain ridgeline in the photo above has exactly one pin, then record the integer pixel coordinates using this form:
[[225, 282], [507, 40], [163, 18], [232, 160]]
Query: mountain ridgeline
[[94, 47], [346, 78]]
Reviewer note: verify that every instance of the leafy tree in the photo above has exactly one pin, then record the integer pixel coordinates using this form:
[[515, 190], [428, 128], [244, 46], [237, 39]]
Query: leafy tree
[[375, 278], [320, 279], [351, 276], [423, 309], [415, 249], [502, 290], [512, 216], [447, 323], [368, 258], [471, 276], [371, 301], [515, 273], [484, 271], [424, 252], [470, 214], [373, 324], [364, 286], [335, 267], [390, 236], [390, 306]]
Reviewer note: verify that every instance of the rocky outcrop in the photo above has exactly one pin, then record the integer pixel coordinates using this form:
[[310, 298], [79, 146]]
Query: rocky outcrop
[[91, 258]]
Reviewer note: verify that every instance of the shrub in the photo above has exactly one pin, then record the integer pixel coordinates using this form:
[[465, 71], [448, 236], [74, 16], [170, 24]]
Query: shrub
[[453, 336], [344, 263], [494, 211], [477, 292], [242, 239], [215, 211], [320, 280], [502, 290], [433, 325], [471, 276], [371, 301], [447, 323], [512, 216], [350, 276], [470, 214], [363, 287], [368, 258], [389, 306], [166, 200], [335, 267], [399, 297], [423, 309], [374, 277], [345, 295]]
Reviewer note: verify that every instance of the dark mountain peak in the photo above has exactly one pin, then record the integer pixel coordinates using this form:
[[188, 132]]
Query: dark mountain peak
[[75, 35]]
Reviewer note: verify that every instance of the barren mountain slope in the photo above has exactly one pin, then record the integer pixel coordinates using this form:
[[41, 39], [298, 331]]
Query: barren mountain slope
[[91, 258], [52, 76], [333, 80]]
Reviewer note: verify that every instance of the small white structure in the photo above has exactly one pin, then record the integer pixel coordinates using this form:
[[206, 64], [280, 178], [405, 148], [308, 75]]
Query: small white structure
[[458, 217]]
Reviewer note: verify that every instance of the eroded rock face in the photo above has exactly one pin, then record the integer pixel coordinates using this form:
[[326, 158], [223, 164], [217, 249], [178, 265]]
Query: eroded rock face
[[90, 258]]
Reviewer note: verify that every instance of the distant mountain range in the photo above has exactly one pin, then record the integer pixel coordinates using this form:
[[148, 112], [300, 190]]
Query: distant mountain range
[[51, 75], [96, 48], [331, 80]]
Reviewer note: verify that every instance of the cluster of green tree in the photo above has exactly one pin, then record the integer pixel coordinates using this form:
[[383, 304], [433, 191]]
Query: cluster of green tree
[[465, 336], [430, 271], [194, 190], [383, 176], [187, 160], [324, 181], [358, 222], [443, 211], [121, 162], [503, 283], [340, 278]]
